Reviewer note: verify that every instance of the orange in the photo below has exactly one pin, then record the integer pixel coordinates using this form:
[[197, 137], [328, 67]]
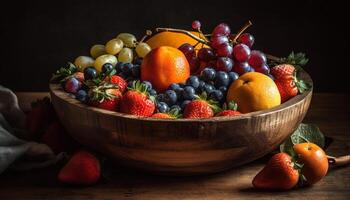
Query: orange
[[172, 39], [163, 66], [254, 91], [314, 160]]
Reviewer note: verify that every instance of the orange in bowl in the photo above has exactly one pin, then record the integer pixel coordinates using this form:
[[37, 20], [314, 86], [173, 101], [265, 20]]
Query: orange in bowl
[[163, 66]]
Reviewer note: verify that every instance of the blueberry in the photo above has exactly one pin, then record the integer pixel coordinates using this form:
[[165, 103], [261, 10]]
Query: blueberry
[[182, 85], [126, 69], [81, 95], [162, 107], [177, 107], [89, 73], [148, 85], [170, 97], [119, 66], [130, 84], [208, 74], [135, 71], [223, 89], [174, 86], [233, 76], [160, 98], [193, 81], [201, 86], [123, 75], [137, 61], [208, 88], [107, 67], [189, 93], [221, 79], [152, 92], [216, 95], [184, 104]]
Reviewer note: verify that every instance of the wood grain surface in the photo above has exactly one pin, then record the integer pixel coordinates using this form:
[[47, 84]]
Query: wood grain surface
[[329, 111]]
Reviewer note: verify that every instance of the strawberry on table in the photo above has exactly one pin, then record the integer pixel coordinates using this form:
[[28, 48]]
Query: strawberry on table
[[137, 101], [82, 169], [280, 173], [229, 109], [201, 107]]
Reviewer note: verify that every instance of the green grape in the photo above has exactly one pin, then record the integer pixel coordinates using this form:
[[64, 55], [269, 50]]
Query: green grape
[[84, 61], [128, 39], [126, 55], [114, 46], [98, 50], [101, 60], [142, 49]]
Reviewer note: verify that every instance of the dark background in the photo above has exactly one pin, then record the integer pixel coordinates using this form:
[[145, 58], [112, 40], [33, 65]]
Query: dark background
[[40, 36]]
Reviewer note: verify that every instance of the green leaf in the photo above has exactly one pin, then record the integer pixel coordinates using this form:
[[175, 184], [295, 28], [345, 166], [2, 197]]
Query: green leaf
[[304, 133]]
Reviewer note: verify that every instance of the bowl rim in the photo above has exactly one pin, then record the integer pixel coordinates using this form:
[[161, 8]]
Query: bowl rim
[[56, 90]]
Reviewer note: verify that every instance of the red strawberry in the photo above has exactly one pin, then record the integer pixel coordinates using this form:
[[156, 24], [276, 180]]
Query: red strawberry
[[137, 101], [82, 169], [287, 81], [39, 117], [279, 173], [172, 114], [118, 81], [105, 96], [201, 108], [230, 110], [283, 71], [57, 138]]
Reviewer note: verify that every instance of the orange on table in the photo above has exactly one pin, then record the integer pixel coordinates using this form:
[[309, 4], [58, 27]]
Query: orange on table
[[163, 66], [254, 91], [172, 39]]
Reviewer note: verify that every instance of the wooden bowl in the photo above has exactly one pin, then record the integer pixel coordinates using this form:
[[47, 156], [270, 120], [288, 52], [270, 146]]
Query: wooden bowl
[[183, 146]]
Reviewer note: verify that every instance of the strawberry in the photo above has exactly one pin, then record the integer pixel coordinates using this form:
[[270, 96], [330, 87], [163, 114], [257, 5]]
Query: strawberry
[[39, 117], [280, 173], [57, 138], [172, 114], [230, 110], [201, 107], [82, 169], [106, 96], [289, 85], [137, 101], [118, 81]]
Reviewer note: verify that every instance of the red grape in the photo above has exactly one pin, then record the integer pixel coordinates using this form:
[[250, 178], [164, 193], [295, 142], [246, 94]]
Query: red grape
[[188, 50], [246, 39], [257, 59], [264, 69], [194, 63], [221, 29], [206, 54], [241, 67], [241, 52], [224, 50], [224, 64], [212, 64], [216, 41], [196, 24]]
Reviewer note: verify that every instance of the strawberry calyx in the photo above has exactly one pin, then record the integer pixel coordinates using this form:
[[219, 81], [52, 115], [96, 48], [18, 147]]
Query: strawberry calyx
[[231, 105], [214, 105], [64, 73], [141, 88], [302, 179], [299, 83], [174, 113], [102, 92]]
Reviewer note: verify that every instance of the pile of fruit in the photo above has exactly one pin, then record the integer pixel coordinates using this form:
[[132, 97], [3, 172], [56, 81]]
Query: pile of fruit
[[181, 74]]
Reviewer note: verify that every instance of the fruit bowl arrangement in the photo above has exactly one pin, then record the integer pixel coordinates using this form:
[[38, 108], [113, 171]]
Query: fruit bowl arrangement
[[182, 102]]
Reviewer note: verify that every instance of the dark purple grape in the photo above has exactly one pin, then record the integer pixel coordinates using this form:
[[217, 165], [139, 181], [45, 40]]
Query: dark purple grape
[[241, 67], [206, 54], [257, 59], [222, 29], [216, 41], [188, 50], [224, 64], [194, 63], [224, 50], [241, 52], [263, 69], [246, 39]]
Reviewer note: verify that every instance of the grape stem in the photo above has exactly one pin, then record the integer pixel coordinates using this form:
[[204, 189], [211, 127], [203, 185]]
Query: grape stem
[[184, 32], [247, 25], [273, 58], [148, 34]]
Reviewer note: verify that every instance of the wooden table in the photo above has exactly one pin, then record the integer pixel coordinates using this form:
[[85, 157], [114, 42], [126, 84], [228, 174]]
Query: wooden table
[[331, 112]]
